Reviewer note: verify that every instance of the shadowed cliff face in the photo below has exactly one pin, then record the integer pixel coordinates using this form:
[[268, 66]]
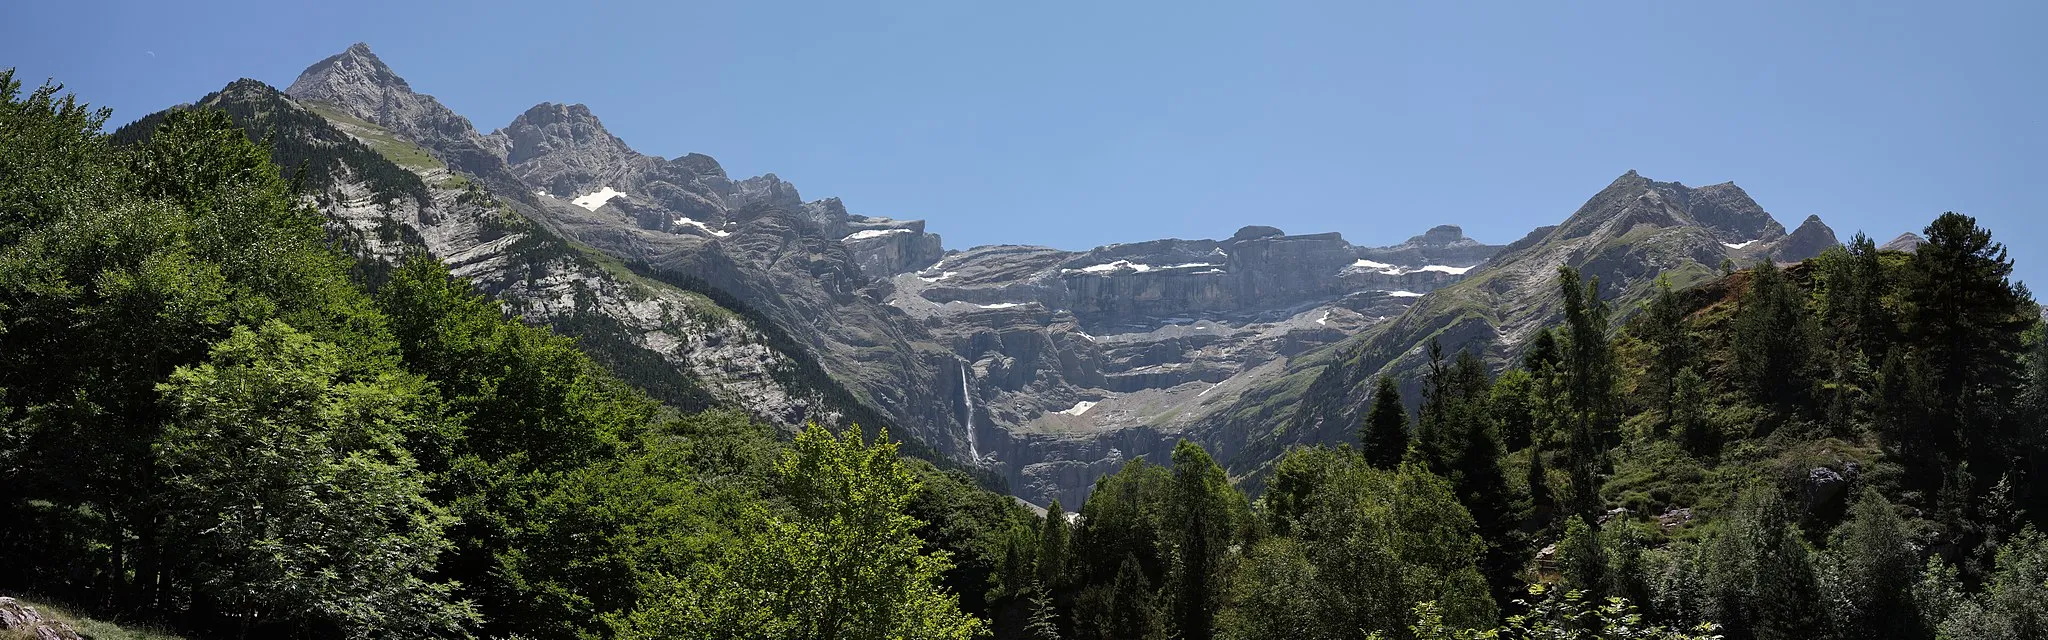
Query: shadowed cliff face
[[1049, 367]]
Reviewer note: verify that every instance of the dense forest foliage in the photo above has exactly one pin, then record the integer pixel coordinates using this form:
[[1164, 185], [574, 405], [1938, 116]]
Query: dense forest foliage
[[210, 421]]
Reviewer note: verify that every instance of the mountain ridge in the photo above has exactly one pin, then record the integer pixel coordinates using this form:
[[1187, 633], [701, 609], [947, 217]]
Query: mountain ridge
[[1050, 367]]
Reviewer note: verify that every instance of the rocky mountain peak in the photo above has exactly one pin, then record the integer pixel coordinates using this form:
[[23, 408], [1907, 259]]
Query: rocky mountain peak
[[355, 72], [1809, 240], [558, 128], [1732, 214], [359, 84], [1908, 242], [1440, 235], [1257, 231]]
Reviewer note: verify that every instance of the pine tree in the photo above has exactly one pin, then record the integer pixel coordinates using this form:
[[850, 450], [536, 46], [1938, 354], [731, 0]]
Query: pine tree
[[1772, 339], [1588, 381], [1662, 327], [1052, 547], [1384, 440], [1690, 421], [1202, 530], [1966, 317]]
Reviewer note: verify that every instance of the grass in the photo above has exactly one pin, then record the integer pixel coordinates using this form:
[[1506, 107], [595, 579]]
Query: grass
[[398, 151], [96, 629]]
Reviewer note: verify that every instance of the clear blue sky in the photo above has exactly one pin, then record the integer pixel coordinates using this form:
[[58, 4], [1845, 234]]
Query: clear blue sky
[[1078, 124]]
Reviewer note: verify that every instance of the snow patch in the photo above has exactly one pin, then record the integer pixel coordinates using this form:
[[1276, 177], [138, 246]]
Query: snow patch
[[1000, 305], [1325, 320], [1192, 265], [1738, 245], [941, 276], [1456, 271], [1115, 266], [1080, 408], [1402, 294], [1368, 264], [686, 222], [597, 198], [872, 233]]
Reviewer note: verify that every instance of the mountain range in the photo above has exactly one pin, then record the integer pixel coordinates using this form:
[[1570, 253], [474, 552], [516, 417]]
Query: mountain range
[[1037, 368]]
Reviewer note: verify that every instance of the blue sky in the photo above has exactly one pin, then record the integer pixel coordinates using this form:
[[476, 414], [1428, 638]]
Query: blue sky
[[1078, 124]]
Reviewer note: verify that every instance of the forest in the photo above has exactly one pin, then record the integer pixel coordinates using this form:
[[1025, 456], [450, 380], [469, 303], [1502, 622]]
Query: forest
[[212, 421]]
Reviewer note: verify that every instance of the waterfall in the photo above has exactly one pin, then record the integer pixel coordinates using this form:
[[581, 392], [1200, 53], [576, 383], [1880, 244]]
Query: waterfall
[[967, 398]]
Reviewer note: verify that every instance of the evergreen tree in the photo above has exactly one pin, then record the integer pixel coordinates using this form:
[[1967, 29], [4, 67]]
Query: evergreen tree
[[1772, 339], [1133, 608], [1690, 417], [1967, 317], [1587, 376], [1202, 529], [1052, 547], [1662, 328], [1385, 437]]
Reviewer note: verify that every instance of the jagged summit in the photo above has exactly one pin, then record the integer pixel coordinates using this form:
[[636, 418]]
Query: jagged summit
[[360, 85], [1908, 242], [1809, 240], [353, 70]]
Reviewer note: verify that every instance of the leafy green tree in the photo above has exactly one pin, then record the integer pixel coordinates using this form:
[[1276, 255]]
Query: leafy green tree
[[1385, 437], [1759, 572], [842, 564], [1273, 594], [1296, 477], [1582, 559], [2015, 603], [293, 497], [1514, 408], [1558, 615], [1868, 571]]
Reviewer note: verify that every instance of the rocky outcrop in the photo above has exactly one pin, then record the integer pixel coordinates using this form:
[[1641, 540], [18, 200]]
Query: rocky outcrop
[[1908, 242], [885, 247], [18, 620], [1809, 240]]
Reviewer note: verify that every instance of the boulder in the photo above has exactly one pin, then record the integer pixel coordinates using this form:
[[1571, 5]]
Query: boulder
[[21, 620]]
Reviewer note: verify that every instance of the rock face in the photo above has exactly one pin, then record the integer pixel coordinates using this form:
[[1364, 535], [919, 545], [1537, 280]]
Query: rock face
[[1042, 366], [1809, 240], [360, 84], [540, 278], [21, 620], [1908, 242], [1078, 361]]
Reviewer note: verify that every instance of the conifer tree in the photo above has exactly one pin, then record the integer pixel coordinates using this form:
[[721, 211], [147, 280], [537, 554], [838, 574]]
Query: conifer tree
[[1052, 547], [1385, 437], [1588, 381]]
